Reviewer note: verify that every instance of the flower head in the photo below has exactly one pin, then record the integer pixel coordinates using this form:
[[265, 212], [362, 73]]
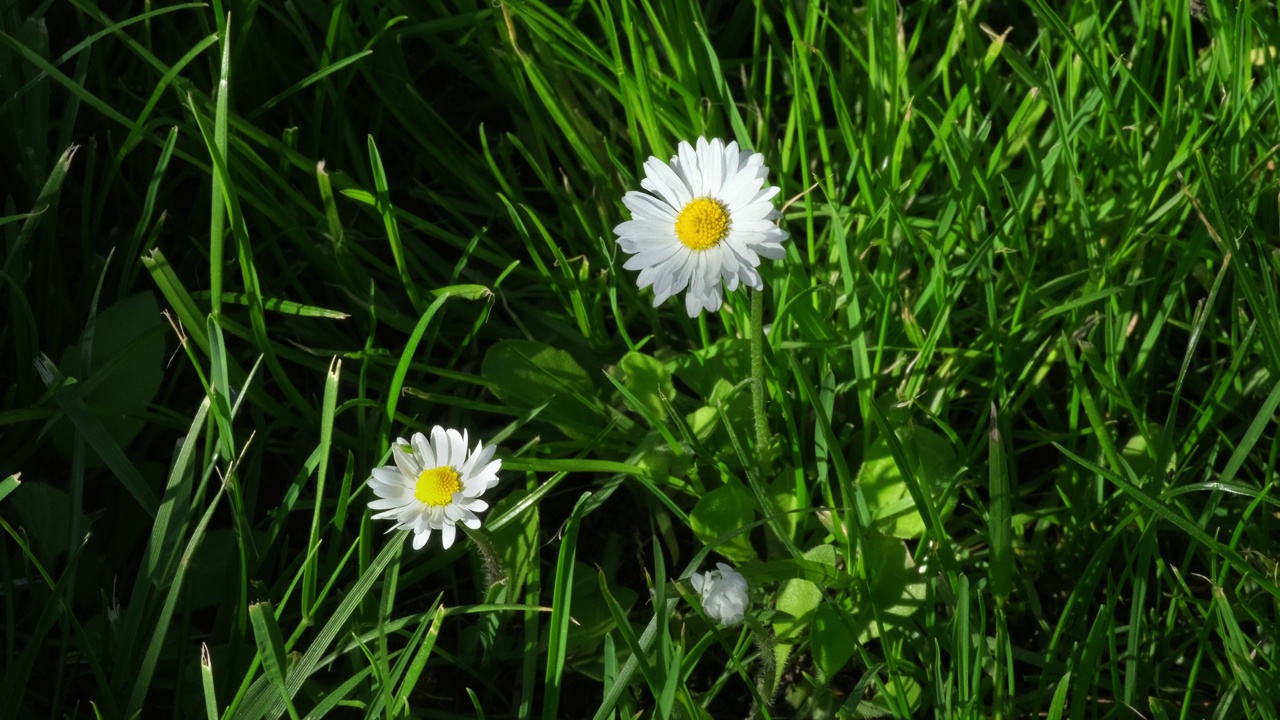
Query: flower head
[[723, 593], [434, 485], [706, 220]]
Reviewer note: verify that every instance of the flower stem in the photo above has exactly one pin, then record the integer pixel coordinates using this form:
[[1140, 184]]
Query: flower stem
[[757, 385], [493, 572]]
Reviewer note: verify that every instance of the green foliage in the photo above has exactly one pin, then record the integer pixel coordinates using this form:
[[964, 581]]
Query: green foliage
[[1020, 376], [934, 464], [718, 517]]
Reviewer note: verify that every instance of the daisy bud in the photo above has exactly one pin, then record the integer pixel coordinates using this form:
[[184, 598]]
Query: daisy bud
[[723, 593]]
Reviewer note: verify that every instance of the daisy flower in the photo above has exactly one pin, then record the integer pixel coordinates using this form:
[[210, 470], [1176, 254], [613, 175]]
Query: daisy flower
[[434, 485], [706, 220], [723, 593]]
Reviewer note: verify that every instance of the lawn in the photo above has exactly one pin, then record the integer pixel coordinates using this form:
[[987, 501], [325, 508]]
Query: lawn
[[965, 408]]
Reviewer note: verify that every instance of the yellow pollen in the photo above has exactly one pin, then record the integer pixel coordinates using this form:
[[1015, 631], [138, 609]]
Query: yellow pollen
[[702, 224], [436, 486]]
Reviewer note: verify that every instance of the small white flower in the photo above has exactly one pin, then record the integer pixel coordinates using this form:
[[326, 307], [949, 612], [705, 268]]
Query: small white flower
[[723, 592], [706, 220], [434, 484]]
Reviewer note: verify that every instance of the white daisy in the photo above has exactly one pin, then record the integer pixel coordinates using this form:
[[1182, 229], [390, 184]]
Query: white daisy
[[707, 219], [723, 593], [434, 484]]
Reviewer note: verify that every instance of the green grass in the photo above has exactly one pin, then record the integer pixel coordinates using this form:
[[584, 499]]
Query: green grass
[[1020, 385]]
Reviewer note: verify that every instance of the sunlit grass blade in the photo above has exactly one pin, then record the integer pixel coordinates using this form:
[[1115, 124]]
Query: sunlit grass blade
[[261, 699], [327, 406], [151, 656], [218, 203], [206, 684], [266, 633], [9, 484], [1059, 702], [163, 548], [44, 202], [561, 608], [417, 653], [466, 292], [387, 210]]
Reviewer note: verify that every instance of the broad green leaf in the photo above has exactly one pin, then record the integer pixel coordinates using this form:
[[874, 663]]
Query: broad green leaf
[[727, 360], [705, 421], [830, 639], [128, 357], [526, 374], [797, 601], [1138, 453], [900, 691], [798, 598], [44, 512], [783, 502], [934, 464], [721, 512], [657, 460], [650, 382], [897, 588]]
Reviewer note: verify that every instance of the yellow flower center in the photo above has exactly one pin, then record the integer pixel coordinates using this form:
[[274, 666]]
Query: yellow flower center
[[702, 224], [436, 486]]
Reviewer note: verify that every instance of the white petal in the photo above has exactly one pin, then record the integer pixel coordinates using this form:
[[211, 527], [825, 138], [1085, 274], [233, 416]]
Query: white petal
[[662, 181], [641, 260], [698, 278], [644, 206], [407, 464], [457, 448], [697, 579], [446, 535], [390, 502], [489, 474], [763, 225], [440, 444], [771, 252], [752, 211], [480, 456], [692, 304], [389, 477], [642, 228], [425, 454], [648, 275], [688, 168], [420, 538], [766, 195], [732, 158], [711, 160]]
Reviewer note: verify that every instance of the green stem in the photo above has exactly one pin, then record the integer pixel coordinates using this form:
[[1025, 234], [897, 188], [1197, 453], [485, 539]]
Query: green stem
[[757, 385], [493, 571]]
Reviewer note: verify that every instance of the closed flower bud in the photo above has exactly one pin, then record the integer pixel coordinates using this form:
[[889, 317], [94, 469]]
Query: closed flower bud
[[723, 593]]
